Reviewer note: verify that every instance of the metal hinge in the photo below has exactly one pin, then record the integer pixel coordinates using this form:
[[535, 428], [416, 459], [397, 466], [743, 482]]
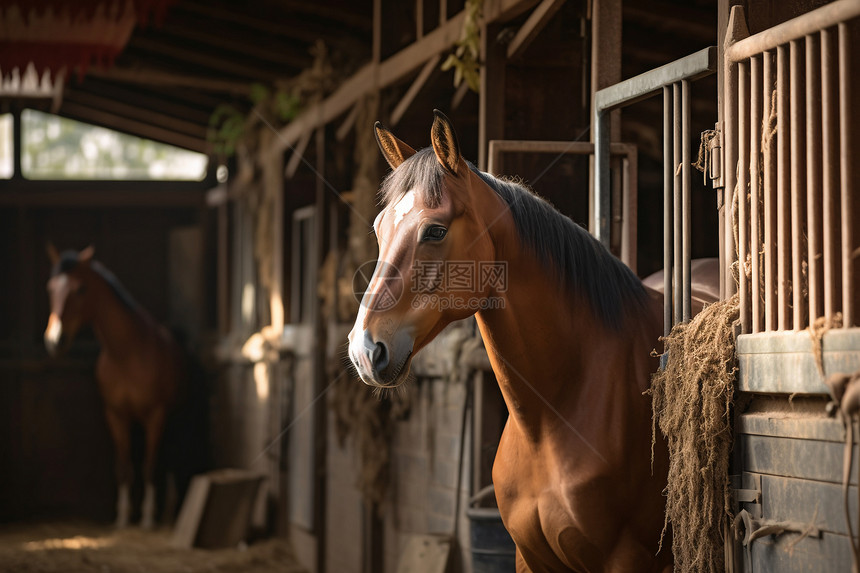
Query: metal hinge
[[750, 495]]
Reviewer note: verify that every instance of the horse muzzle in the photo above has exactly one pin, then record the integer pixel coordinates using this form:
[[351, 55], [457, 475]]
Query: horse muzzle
[[379, 363], [54, 335]]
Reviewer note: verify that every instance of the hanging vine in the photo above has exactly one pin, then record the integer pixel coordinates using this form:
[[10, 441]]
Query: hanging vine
[[278, 104], [466, 57]]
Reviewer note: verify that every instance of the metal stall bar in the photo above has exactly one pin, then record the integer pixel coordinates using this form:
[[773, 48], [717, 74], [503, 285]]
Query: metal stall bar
[[847, 171], [755, 193], [629, 200], [667, 211], [809, 23], [728, 250], [813, 175], [676, 201], [798, 175], [686, 207], [830, 181], [783, 181], [643, 86], [769, 173], [743, 180], [805, 79]]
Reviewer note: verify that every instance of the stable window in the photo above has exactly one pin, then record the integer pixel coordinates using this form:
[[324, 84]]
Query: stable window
[[56, 147], [7, 166]]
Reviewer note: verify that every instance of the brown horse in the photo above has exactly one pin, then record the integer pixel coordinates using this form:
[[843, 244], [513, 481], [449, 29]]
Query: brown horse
[[140, 368], [569, 331]]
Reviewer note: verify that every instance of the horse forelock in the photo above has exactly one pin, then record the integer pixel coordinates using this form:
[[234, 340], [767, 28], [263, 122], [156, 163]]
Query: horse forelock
[[68, 260], [421, 173]]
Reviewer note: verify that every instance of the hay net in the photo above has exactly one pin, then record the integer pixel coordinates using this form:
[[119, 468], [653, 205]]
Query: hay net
[[692, 401]]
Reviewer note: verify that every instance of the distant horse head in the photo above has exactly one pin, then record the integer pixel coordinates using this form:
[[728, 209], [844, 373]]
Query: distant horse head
[[68, 292], [432, 234]]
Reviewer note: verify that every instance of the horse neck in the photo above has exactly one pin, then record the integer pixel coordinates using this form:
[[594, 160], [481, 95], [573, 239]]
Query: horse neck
[[556, 361], [116, 325]]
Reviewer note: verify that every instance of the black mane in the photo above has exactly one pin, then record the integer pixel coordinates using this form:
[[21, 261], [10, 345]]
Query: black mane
[[69, 260], [580, 261]]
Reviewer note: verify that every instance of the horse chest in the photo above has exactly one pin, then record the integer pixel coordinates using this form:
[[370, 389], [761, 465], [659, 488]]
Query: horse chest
[[128, 384], [554, 511]]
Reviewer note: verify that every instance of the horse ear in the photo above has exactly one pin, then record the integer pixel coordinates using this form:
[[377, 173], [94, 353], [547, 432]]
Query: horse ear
[[53, 255], [445, 142], [394, 150], [86, 255]]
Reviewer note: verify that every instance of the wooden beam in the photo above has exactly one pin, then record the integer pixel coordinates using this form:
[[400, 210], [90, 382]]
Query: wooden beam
[[131, 126], [131, 111], [532, 27], [298, 153], [155, 77], [347, 125], [413, 91], [41, 196], [491, 107], [374, 77], [458, 96]]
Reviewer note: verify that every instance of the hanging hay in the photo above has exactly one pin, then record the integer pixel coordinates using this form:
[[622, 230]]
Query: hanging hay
[[692, 399]]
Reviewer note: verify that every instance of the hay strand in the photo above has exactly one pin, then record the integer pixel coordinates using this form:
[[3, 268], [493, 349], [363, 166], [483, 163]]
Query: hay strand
[[692, 400]]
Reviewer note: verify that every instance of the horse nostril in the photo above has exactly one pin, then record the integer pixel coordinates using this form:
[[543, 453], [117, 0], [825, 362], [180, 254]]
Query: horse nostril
[[380, 356]]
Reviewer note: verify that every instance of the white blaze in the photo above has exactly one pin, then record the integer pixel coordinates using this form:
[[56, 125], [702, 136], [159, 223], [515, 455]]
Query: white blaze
[[403, 207]]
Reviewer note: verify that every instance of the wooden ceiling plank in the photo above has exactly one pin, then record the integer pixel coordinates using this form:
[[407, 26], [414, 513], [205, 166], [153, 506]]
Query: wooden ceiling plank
[[131, 126], [161, 102], [155, 77], [132, 111], [288, 55], [213, 62], [303, 31]]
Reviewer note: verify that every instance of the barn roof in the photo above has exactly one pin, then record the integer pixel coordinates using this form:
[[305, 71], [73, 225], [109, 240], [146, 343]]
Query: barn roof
[[171, 76]]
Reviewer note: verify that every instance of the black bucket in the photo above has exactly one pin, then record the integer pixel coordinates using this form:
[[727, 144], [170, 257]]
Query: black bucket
[[493, 550]]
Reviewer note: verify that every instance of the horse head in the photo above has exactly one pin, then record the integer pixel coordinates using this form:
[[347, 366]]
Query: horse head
[[71, 307], [432, 235]]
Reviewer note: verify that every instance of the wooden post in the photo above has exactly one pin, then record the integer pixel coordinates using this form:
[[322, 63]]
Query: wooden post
[[491, 117], [605, 68]]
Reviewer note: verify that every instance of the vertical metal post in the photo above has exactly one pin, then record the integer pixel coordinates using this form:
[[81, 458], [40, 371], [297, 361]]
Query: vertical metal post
[[847, 172], [730, 166], [755, 128], [743, 180], [677, 315], [667, 210], [629, 210], [783, 180], [830, 175], [600, 223], [686, 176], [813, 175], [798, 176], [769, 173]]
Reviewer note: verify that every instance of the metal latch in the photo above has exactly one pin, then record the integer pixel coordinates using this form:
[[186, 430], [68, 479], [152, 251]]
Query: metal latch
[[710, 160]]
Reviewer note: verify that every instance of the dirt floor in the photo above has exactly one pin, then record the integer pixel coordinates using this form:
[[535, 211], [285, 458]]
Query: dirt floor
[[70, 547]]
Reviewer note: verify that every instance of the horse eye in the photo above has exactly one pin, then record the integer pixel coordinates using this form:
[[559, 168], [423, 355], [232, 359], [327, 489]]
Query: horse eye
[[434, 233]]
